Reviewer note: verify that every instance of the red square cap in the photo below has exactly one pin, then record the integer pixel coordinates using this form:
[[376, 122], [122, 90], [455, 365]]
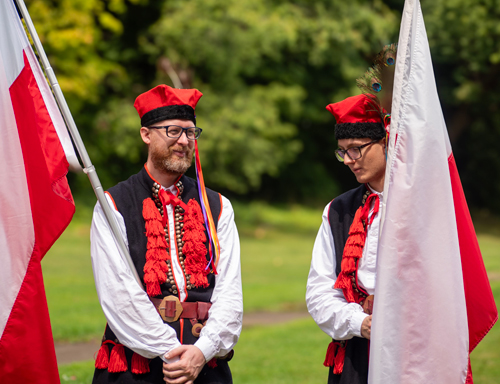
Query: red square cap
[[355, 109], [164, 102]]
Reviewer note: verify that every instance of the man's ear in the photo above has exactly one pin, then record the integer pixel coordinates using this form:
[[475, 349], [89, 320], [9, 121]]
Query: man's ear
[[145, 135]]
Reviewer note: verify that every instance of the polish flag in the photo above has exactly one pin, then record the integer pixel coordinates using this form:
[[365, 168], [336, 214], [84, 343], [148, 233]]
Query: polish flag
[[35, 204], [433, 302]]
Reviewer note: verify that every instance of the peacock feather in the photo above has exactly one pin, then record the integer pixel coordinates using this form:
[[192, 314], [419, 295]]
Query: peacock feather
[[377, 82]]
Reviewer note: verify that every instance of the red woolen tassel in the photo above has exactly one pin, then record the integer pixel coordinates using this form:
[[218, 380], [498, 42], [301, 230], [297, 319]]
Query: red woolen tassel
[[154, 228], [155, 268], [212, 363], [357, 223], [353, 251], [117, 361], [357, 239], [102, 359], [348, 264], [152, 286], [339, 360], [140, 364], [149, 210], [330, 354]]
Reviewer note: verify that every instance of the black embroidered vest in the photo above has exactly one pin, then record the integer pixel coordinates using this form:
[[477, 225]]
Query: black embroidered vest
[[341, 216], [128, 197]]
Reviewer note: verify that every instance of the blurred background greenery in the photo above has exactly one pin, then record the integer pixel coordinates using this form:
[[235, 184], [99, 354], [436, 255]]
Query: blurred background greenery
[[267, 69]]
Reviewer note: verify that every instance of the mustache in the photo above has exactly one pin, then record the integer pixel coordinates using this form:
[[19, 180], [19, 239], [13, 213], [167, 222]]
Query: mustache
[[180, 149]]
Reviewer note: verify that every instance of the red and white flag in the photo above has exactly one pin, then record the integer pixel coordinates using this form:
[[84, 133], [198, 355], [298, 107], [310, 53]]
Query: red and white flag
[[35, 204], [433, 302]]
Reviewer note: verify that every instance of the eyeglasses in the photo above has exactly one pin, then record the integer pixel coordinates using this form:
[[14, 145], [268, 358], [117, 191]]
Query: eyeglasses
[[175, 132], [354, 153]]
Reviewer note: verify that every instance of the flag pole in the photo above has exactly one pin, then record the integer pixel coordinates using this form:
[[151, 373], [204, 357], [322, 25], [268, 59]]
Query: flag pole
[[89, 168]]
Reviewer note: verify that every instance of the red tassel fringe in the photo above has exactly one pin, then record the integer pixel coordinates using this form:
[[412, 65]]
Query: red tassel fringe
[[194, 247], [212, 363], [140, 364], [335, 356], [155, 269], [117, 361], [339, 360], [353, 251], [330, 355], [102, 359]]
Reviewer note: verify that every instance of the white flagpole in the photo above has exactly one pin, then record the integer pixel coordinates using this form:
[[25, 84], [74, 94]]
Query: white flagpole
[[89, 168]]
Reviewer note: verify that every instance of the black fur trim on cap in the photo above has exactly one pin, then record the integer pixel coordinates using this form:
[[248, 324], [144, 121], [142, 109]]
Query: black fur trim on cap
[[372, 131], [168, 112]]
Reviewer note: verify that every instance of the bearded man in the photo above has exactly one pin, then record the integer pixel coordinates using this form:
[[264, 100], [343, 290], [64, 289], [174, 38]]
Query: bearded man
[[181, 325]]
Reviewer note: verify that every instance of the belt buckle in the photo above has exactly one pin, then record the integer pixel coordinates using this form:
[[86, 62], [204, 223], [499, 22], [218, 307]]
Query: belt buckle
[[163, 305]]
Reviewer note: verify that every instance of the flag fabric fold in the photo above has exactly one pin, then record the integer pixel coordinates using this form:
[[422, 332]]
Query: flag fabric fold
[[433, 302], [35, 204]]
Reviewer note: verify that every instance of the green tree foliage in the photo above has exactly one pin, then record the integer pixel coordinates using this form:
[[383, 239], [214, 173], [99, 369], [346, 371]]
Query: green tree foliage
[[465, 43], [267, 69], [74, 33]]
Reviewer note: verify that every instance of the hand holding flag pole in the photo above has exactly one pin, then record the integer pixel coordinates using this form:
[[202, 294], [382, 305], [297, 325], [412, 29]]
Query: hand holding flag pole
[[89, 168]]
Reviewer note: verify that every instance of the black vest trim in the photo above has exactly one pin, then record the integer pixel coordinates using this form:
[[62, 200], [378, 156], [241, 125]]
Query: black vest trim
[[340, 216]]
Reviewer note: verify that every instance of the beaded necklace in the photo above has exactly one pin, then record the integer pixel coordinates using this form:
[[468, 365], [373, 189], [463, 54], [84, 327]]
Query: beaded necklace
[[179, 233], [190, 242]]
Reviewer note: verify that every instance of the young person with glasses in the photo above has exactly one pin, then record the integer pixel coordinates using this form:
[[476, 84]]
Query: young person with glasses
[[181, 326], [341, 280]]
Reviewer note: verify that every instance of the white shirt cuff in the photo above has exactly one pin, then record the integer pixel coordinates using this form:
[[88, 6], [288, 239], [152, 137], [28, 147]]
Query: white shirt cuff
[[206, 347], [171, 349], [355, 323]]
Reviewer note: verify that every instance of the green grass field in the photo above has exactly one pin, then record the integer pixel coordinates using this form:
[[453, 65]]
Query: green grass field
[[276, 244]]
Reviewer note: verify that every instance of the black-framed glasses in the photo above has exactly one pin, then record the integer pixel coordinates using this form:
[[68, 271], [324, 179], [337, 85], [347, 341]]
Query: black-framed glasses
[[175, 132], [354, 153]]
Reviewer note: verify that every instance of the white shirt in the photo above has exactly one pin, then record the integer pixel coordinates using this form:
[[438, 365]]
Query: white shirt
[[130, 313], [328, 307]]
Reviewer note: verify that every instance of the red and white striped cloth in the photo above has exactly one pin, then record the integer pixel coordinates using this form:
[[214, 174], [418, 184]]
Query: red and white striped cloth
[[35, 204], [433, 302]]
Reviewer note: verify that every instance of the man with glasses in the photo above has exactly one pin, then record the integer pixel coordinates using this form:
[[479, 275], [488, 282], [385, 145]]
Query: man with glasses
[[341, 280], [181, 325]]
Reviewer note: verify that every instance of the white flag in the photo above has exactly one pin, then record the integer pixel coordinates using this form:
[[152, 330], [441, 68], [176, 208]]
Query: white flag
[[433, 302]]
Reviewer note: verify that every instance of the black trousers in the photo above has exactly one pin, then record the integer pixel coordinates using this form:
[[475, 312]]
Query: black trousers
[[355, 364]]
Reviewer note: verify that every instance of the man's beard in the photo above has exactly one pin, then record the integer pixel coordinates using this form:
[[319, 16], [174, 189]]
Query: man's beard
[[165, 160]]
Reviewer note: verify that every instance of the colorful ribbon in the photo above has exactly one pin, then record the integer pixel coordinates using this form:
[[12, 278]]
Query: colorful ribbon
[[207, 215]]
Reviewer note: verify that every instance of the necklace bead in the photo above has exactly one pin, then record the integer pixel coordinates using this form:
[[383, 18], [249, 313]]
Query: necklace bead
[[179, 233]]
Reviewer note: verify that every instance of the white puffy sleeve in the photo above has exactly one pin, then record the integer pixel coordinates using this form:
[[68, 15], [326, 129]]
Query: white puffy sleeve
[[128, 310], [328, 307], [223, 327]]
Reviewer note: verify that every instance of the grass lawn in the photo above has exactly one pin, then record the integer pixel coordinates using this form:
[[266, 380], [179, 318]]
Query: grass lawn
[[485, 359], [276, 245]]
